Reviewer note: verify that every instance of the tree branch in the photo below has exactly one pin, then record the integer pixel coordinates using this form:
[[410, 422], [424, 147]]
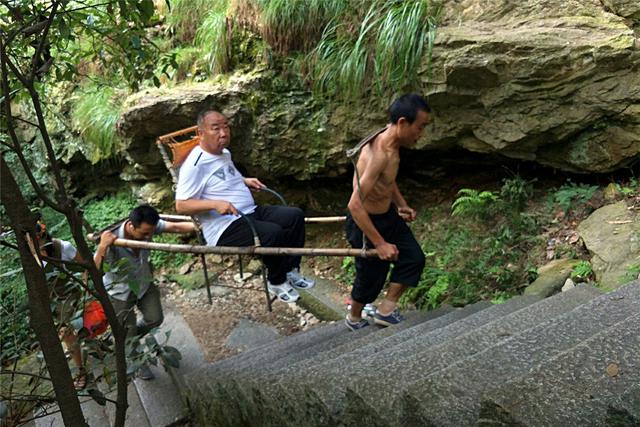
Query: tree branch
[[4, 61], [43, 39], [27, 374]]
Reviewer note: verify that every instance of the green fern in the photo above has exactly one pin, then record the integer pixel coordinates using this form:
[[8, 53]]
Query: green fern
[[473, 202], [436, 291], [582, 270], [573, 194]]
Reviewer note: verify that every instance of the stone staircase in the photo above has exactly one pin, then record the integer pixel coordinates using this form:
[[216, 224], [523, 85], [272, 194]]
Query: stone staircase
[[571, 359]]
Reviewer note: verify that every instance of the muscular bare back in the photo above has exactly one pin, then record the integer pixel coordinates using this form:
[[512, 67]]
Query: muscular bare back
[[377, 167]]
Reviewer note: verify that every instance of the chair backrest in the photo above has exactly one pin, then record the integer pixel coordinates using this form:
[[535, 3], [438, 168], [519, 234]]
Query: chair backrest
[[180, 143]]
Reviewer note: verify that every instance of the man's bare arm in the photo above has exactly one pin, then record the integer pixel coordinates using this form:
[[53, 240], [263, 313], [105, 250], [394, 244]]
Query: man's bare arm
[[179, 227], [106, 240], [372, 171], [197, 206], [406, 212]]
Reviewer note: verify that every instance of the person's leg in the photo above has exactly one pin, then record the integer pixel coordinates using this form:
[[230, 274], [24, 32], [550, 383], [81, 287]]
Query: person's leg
[[291, 220], [406, 270], [70, 339], [394, 292], [151, 308], [371, 273], [125, 313], [271, 235]]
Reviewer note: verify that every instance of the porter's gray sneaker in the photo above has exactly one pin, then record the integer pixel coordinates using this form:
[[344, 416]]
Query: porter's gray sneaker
[[392, 319], [354, 326], [145, 373]]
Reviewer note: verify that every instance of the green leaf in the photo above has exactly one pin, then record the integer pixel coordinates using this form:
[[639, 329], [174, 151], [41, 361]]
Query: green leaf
[[135, 42], [150, 341], [134, 286], [65, 32], [146, 9], [171, 356], [173, 351], [97, 396]]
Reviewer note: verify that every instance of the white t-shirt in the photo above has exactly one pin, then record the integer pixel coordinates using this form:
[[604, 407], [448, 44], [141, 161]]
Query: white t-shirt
[[208, 176], [67, 251]]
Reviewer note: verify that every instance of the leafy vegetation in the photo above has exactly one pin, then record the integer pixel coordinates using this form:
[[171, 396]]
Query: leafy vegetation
[[289, 25], [213, 37], [488, 259], [346, 49], [630, 188], [102, 212], [571, 194], [474, 203], [96, 109], [185, 16], [582, 271], [382, 53], [169, 260]]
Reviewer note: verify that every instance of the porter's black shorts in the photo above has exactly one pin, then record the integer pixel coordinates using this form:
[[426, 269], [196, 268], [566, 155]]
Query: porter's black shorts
[[371, 273]]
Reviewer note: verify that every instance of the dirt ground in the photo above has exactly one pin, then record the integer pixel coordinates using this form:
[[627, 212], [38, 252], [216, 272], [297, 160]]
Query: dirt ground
[[232, 300]]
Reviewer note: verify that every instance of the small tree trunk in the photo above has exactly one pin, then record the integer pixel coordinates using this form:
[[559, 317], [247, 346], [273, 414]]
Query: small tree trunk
[[41, 319]]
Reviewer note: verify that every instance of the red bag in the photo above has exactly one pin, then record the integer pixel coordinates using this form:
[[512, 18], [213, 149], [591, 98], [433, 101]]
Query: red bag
[[94, 320]]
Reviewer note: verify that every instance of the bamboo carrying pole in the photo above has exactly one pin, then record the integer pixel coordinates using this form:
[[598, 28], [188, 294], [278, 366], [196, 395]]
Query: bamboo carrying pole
[[313, 219], [240, 250]]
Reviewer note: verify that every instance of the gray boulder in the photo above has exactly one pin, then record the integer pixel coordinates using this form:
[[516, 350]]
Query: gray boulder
[[553, 81], [612, 235]]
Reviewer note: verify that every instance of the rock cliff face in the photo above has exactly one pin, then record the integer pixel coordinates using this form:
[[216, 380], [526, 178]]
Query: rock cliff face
[[554, 81]]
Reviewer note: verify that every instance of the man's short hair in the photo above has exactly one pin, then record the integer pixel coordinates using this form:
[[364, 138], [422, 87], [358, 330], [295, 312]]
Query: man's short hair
[[204, 113], [144, 214], [407, 106]]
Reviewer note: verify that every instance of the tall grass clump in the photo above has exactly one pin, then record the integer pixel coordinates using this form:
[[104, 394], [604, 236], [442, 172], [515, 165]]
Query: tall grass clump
[[185, 16], [297, 24], [95, 111], [384, 52], [214, 37]]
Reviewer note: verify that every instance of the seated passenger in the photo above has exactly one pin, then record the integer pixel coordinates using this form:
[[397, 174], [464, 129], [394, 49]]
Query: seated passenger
[[211, 188]]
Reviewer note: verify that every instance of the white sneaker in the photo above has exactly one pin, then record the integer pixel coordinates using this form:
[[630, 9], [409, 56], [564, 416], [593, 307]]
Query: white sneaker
[[284, 292], [297, 280], [369, 310]]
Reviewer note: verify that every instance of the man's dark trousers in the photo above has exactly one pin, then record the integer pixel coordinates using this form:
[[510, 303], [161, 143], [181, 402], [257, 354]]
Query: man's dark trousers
[[277, 226]]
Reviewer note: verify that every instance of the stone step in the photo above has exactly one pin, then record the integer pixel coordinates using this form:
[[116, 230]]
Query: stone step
[[263, 370], [257, 382], [161, 398], [302, 340], [204, 392], [94, 414], [406, 363], [101, 416], [323, 300], [136, 415], [575, 387], [627, 408], [457, 390], [326, 384], [358, 341]]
